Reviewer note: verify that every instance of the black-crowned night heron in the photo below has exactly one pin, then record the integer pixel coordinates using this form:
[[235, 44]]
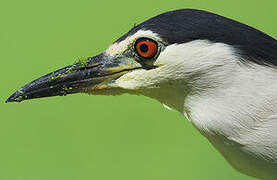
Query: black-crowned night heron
[[219, 73]]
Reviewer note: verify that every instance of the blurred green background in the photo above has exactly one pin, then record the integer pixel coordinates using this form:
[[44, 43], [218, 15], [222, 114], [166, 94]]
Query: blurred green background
[[82, 137]]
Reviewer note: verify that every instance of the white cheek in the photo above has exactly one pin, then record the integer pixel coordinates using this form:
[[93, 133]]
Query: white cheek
[[178, 61], [131, 80]]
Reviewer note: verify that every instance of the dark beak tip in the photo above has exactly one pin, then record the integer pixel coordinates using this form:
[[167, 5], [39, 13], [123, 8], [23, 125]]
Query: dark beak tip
[[16, 97], [8, 100]]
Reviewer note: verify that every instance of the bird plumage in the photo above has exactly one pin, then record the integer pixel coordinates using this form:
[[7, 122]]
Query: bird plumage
[[219, 73]]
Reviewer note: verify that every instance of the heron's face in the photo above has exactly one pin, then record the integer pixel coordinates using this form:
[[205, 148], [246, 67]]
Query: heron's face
[[175, 70], [141, 63], [150, 66], [133, 64], [129, 65]]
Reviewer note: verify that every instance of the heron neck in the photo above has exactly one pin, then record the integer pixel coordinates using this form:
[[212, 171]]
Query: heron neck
[[236, 106]]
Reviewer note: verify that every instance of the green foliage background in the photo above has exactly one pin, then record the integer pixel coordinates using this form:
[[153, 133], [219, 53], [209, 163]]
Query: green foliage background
[[83, 137]]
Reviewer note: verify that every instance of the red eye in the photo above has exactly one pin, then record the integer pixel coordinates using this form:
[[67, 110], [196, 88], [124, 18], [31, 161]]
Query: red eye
[[146, 48]]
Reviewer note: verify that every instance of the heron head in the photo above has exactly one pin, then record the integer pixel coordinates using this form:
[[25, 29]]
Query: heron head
[[166, 57]]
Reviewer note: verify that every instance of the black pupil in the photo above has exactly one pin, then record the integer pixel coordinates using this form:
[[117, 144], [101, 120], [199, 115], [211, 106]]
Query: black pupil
[[143, 48]]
